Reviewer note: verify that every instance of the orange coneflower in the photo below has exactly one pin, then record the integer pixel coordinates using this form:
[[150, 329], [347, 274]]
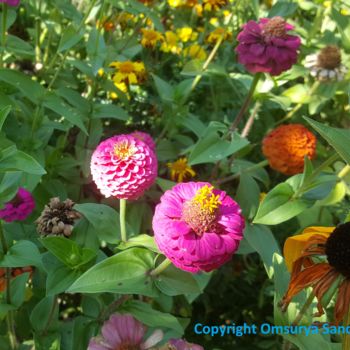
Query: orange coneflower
[[331, 247]]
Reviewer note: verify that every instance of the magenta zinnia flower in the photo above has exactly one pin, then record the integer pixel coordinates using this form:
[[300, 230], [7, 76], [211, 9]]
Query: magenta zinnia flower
[[181, 344], [123, 332], [146, 138], [266, 46], [123, 167], [197, 227], [19, 208], [11, 2]]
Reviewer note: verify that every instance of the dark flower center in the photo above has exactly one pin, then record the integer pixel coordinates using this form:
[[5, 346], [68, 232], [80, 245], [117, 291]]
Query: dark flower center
[[276, 26], [126, 346], [338, 249], [329, 57], [16, 201]]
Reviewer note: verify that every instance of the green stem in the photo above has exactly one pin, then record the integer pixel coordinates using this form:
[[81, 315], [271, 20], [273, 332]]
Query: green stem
[[346, 338], [246, 102], [303, 309], [3, 31], [161, 267], [296, 108], [329, 161], [259, 165], [9, 316], [122, 219]]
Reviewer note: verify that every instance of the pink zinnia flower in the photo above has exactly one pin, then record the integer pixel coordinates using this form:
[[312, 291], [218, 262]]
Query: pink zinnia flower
[[19, 208], [11, 2], [181, 344], [197, 227], [266, 46], [123, 332], [123, 167], [146, 138]]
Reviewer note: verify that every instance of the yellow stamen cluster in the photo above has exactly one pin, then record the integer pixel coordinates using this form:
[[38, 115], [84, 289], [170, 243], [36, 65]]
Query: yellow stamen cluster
[[123, 150], [207, 199]]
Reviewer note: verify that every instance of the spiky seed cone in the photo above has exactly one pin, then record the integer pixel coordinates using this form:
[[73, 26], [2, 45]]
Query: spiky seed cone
[[57, 218]]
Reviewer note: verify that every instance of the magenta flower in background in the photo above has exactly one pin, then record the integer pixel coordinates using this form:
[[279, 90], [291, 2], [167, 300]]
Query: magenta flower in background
[[11, 2], [266, 46], [146, 138], [123, 332], [181, 344], [197, 227], [19, 208], [123, 167]]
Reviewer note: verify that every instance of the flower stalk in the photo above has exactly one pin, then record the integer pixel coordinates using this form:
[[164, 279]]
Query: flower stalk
[[9, 316], [3, 31], [122, 215], [246, 102], [161, 267]]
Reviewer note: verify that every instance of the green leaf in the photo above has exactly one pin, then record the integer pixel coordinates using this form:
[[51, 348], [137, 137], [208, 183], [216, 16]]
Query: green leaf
[[57, 105], [68, 251], [211, 148], [298, 93], [30, 88], [17, 160], [22, 253], [43, 311], [112, 111], [173, 281], [165, 90], [4, 112], [60, 279], [103, 218], [143, 240], [70, 38], [126, 273], [152, 318], [279, 206], [283, 9], [261, 239], [248, 194], [339, 139]]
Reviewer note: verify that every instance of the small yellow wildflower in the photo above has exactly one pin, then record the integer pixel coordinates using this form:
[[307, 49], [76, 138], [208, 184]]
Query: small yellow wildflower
[[182, 3], [217, 34], [101, 72], [171, 43], [180, 170], [150, 38], [195, 51], [122, 87], [186, 34], [128, 72], [214, 5]]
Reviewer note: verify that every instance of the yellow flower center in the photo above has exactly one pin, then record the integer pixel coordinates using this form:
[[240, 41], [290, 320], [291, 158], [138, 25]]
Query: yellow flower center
[[207, 199], [200, 213], [180, 170], [126, 67], [123, 150]]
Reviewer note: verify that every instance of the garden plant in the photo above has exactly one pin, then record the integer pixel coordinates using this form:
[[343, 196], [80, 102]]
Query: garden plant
[[174, 175]]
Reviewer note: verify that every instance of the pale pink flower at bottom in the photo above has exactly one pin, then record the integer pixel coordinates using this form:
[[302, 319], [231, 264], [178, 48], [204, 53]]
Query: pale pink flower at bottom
[[124, 332], [181, 344]]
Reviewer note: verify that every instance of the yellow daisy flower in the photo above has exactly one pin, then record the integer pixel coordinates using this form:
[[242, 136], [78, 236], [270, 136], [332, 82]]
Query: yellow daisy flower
[[122, 87], [217, 34], [214, 5], [150, 38], [186, 34], [196, 52], [128, 72], [171, 43], [180, 170]]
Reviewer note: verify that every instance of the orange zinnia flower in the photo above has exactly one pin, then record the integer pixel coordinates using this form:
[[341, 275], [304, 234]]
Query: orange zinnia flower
[[286, 146], [333, 246]]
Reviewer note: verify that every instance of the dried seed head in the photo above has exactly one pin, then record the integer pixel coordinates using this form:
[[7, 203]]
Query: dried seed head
[[276, 26], [329, 57], [57, 218]]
